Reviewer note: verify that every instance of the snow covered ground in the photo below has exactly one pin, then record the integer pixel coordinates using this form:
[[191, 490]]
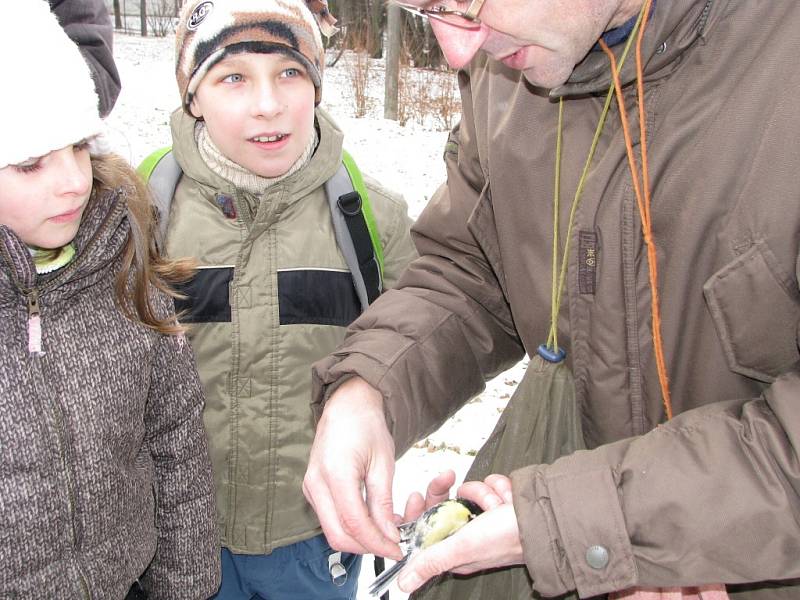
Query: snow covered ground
[[406, 159]]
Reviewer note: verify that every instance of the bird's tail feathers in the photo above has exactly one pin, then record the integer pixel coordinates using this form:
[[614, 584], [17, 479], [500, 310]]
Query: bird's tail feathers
[[385, 579]]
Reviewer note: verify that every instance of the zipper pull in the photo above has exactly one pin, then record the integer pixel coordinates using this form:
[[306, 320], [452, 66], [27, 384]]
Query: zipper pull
[[34, 324]]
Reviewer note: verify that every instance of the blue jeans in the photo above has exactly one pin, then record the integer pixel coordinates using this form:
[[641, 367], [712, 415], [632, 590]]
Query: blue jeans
[[295, 572]]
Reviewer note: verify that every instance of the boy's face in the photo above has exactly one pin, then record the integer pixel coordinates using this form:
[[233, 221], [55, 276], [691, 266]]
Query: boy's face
[[42, 200], [259, 110]]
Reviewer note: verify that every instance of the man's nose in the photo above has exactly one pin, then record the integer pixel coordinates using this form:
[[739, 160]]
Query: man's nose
[[458, 44]]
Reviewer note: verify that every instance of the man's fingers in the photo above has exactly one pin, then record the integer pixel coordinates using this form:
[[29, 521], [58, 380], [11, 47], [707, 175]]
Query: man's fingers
[[325, 508], [350, 528], [439, 488], [435, 560], [378, 485], [415, 506], [487, 542], [480, 493], [501, 484], [356, 525]]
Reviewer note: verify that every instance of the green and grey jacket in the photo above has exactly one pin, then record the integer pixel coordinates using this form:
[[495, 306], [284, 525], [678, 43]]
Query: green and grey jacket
[[104, 468], [273, 295]]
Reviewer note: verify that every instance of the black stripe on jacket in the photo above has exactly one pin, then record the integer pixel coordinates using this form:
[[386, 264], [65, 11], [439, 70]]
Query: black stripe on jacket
[[305, 296], [318, 297]]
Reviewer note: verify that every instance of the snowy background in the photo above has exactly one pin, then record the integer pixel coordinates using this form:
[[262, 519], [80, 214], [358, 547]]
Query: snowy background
[[404, 158]]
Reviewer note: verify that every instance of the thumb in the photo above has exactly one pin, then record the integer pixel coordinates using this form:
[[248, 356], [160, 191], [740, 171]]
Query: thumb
[[427, 564]]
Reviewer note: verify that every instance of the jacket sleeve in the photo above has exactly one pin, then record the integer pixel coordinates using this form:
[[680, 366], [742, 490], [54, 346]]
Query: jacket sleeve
[[186, 564], [87, 23], [712, 496], [431, 343]]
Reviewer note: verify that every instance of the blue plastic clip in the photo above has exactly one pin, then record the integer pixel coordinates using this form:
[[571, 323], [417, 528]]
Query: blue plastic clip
[[553, 356]]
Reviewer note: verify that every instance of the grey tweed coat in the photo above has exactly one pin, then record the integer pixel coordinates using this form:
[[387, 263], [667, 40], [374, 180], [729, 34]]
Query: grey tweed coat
[[104, 469]]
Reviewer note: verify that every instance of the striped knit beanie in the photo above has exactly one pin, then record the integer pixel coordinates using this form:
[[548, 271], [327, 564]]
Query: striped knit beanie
[[48, 100], [210, 30]]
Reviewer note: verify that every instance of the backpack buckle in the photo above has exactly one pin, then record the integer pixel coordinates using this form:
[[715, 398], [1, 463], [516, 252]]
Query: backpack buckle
[[350, 204]]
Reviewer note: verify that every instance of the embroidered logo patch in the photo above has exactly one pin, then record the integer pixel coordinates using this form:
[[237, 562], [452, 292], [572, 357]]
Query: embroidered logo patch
[[199, 14], [587, 267]]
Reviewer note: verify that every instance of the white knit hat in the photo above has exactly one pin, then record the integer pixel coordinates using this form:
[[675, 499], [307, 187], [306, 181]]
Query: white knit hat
[[48, 99]]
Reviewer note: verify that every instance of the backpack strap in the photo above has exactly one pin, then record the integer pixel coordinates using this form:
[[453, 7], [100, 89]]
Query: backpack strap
[[161, 172], [355, 230], [369, 216], [353, 219]]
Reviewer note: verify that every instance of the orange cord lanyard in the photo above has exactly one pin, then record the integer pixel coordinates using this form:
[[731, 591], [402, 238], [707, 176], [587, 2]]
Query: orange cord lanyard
[[641, 187], [550, 351]]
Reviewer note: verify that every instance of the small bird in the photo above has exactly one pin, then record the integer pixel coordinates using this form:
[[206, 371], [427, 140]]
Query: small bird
[[435, 524]]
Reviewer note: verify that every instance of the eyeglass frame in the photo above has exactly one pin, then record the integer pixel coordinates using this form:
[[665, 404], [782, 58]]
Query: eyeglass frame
[[439, 11]]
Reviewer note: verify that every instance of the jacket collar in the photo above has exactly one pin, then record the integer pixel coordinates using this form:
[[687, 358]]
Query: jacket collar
[[321, 166], [674, 26], [100, 240]]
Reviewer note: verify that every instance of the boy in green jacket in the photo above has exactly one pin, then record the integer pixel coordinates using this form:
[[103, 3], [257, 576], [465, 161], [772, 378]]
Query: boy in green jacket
[[273, 293]]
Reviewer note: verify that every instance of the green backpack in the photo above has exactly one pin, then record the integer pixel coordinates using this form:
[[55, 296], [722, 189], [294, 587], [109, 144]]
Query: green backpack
[[353, 220]]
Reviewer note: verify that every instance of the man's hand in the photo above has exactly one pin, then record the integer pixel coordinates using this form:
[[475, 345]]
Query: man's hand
[[438, 491], [352, 452], [489, 541]]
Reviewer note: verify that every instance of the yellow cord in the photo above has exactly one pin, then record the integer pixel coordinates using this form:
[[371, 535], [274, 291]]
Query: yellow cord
[[558, 289]]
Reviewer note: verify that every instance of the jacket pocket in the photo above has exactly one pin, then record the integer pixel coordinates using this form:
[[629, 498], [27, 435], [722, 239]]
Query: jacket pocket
[[755, 306]]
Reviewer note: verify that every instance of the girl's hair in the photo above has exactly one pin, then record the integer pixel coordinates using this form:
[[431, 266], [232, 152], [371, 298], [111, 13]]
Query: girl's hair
[[143, 266]]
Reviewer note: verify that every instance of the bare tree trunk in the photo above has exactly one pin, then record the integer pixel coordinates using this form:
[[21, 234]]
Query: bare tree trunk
[[143, 17], [344, 21], [393, 22], [344, 15], [376, 28], [117, 16]]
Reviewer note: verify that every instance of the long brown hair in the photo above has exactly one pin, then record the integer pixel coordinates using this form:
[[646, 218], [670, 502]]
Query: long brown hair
[[143, 265]]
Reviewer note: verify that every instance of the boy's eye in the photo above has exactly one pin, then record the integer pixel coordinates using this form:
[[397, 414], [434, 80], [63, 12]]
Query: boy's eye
[[233, 78], [292, 72]]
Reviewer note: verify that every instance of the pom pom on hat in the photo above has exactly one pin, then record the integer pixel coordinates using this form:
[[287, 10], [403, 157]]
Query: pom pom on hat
[[49, 99], [210, 30]]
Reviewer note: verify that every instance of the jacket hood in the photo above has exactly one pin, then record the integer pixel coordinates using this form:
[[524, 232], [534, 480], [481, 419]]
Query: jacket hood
[[100, 240], [674, 26], [321, 166]]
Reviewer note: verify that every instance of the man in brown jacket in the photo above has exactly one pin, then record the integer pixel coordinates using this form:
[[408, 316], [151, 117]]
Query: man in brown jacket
[[711, 496]]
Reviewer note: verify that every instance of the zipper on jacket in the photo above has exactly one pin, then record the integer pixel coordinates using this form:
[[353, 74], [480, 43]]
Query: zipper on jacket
[[34, 293], [32, 296], [35, 349], [34, 323], [58, 416]]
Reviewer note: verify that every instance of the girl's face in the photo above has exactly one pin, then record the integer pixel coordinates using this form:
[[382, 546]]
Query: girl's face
[[259, 110], [43, 199]]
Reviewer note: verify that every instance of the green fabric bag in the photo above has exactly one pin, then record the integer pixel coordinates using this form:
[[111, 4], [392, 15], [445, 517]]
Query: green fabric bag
[[539, 424]]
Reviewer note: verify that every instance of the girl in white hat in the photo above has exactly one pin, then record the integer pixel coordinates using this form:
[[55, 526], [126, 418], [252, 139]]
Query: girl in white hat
[[104, 473]]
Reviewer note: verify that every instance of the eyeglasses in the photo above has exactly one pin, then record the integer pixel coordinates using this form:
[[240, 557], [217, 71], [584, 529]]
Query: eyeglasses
[[467, 19]]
